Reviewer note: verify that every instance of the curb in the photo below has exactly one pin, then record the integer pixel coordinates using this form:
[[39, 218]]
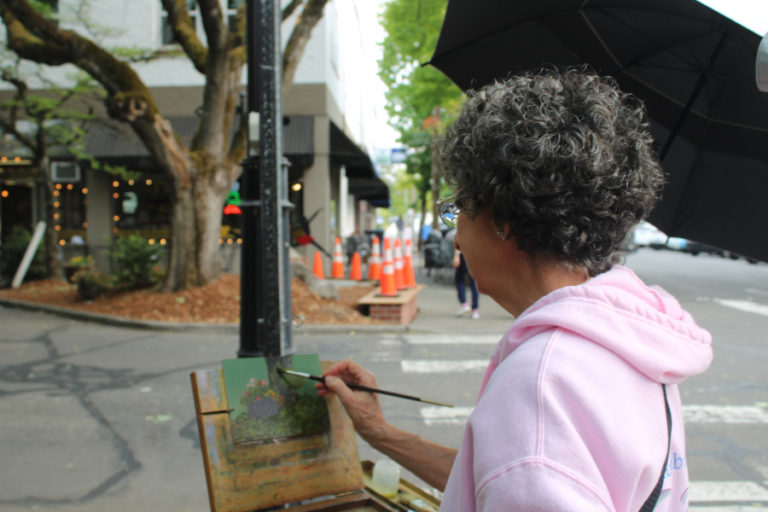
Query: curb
[[157, 325]]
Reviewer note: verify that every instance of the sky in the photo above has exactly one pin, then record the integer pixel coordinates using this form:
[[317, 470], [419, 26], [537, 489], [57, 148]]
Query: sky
[[753, 14]]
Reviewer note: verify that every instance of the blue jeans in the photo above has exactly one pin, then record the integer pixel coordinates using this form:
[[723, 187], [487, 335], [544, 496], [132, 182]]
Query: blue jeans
[[462, 272]]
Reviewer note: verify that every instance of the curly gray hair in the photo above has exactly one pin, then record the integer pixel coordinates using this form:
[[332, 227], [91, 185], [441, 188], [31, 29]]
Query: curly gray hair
[[564, 157]]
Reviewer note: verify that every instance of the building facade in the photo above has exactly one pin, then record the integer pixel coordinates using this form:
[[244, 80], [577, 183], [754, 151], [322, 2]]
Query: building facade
[[328, 135]]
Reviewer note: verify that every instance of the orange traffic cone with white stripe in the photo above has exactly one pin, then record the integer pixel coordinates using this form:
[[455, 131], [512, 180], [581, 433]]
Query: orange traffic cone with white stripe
[[356, 272], [374, 261], [399, 280], [388, 287], [408, 275], [337, 268], [317, 268]]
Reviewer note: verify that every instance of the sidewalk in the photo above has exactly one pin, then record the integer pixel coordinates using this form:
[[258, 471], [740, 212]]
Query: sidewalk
[[437, 303]]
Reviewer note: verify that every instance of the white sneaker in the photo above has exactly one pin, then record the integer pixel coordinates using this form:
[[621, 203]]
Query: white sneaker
[[475, 314], [463, 310]]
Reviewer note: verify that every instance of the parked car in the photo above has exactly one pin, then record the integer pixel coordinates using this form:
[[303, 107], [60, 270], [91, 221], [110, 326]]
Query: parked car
[[648, 235]]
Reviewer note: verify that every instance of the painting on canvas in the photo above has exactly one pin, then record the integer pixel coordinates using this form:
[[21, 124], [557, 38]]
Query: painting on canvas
[[265, 406]]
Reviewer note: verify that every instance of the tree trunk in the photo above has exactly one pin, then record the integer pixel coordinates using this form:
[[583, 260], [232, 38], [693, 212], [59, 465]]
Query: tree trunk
[[435, 183], [51, 238], [423, 219], [194, 257]]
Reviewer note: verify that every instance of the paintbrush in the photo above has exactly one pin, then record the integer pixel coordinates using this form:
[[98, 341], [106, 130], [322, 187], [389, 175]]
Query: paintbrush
[[358, 387]]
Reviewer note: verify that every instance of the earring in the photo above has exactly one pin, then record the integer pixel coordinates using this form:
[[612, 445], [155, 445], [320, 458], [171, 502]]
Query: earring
[[500, 234]]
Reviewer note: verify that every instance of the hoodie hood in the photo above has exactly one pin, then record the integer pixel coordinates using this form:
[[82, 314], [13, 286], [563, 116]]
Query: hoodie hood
[[644, 325]]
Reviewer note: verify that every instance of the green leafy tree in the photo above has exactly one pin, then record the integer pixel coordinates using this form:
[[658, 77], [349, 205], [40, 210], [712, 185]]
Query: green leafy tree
[[202, 172], [421, 101]]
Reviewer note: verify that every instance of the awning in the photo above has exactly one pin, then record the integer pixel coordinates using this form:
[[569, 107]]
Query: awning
[[114, 141], [364, 181]]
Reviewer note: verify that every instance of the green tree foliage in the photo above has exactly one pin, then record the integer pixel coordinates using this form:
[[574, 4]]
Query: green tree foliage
[[420, 99]]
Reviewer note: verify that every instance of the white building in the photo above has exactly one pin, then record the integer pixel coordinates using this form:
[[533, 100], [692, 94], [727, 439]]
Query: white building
[[331, 108]]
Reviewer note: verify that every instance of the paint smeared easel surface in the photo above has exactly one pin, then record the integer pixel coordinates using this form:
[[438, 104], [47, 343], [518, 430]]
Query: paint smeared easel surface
[[265, 406]]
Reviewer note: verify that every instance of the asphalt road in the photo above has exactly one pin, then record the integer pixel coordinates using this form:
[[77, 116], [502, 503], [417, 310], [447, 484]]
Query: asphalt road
[[94, 417]]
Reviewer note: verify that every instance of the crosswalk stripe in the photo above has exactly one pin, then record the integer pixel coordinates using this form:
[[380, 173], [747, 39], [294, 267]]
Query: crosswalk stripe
[[743, 305], [732, 414], [442, 366], [726, 491], [727, 508], [452, 339], [735, 414]]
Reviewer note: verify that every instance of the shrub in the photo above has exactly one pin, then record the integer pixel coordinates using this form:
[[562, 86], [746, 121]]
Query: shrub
[[91, 284], [12, 252], [133, 262]]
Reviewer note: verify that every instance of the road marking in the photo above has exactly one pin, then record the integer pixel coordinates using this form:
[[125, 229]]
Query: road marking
[[445, 415], [442, 366], [452, 339], [730, 508], [732, 414], [716, 492], [743, 305]]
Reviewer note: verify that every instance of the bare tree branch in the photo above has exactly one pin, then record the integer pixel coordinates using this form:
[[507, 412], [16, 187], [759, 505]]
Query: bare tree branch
[[311, 14], [291, 8], [185, 34]]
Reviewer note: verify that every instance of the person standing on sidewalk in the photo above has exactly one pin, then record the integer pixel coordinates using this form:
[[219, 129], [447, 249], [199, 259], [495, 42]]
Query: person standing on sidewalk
[[461, 275], [579, 409]]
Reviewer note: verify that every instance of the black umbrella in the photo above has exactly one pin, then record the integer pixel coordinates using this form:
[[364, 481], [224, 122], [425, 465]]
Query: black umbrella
[[693, 67]]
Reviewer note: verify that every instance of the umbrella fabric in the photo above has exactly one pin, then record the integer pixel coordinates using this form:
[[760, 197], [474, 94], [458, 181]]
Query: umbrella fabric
[[693, 67]]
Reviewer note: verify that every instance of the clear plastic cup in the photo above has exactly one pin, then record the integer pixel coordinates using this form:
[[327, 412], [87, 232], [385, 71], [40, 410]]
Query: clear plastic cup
[[386, 477]]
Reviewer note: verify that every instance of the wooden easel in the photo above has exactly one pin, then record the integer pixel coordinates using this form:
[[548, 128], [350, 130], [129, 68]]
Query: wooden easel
[[256, 476]]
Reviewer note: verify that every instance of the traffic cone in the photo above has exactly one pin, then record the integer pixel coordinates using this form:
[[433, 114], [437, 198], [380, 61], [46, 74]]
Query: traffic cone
[[408, 276], [399, 280], [317, 267], [388, 287], [374, 261], [337, 268], [356, 272]]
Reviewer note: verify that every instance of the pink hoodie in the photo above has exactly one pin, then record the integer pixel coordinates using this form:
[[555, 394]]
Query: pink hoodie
[[571, 415]]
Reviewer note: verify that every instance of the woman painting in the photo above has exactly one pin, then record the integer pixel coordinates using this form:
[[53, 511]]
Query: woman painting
[[579, 407]]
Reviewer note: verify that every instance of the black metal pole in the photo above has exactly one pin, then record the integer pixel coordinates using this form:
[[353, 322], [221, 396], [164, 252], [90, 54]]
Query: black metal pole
[[264, 318]]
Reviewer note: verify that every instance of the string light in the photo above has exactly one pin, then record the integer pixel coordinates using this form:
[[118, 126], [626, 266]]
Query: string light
[[130, 182], [85, 190], [70, 186], [62, 242], [239, 241], [148, 182], [58, 186], [4, 193], [116, 218], [116, 195], [56, 204], [55, 193], [57, 228], [151, 241], [115, 184], [162, 241]]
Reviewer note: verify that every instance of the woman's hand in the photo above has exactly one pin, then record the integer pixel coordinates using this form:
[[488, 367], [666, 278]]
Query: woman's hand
[[363, 407]]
